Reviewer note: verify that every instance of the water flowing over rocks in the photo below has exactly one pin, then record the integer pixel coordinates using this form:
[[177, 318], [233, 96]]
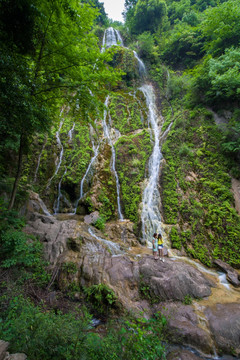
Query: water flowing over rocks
[[232, 274], [116, 259], [182, 355]]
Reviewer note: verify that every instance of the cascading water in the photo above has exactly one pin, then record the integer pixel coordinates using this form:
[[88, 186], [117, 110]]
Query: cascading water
[[57, 202], [113, 247], [71, 132], [61, 152], [141, 66], [95, 154], [107, 135], [151, 217], [111, 37], [39, 159]]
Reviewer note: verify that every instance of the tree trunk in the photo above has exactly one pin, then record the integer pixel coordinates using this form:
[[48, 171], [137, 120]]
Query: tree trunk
[[18, 174]]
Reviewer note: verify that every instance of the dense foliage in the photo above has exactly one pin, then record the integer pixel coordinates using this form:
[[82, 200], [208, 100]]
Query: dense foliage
[[55, 58]]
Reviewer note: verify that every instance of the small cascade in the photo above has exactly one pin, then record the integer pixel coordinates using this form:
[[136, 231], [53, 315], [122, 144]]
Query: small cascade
[[151, 217], [141, 66], [44, 208], [164, 135], [111, 37], [57, 202], [223, 280], [107, 135], [71, 132], [39, 159], [61, 152], [95, 154], [113, 247]]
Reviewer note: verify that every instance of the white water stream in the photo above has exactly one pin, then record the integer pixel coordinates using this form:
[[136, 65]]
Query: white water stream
[[56, 205], [39, 159], [141, 66], [95, 154], [111, 37], [107, 135], [151, 217], [59, 143], [71, 132], [113, 247]]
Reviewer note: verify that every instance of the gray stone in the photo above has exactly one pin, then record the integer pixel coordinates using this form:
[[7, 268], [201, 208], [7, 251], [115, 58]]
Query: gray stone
[[173, 280], [224, 323], [182, 324], [18, 356], [92, 218], [3, 349]]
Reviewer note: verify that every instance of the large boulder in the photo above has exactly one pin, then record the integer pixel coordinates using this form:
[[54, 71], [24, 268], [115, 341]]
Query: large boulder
[[3, 349], [183, 327], [53, 233], [224, 324], [173, 280]]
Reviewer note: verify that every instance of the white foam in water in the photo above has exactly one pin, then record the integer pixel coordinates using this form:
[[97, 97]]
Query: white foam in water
[[223, 280], [113, 247]]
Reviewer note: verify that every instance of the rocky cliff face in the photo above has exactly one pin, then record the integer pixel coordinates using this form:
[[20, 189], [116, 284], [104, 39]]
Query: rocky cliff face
[[143, 285]]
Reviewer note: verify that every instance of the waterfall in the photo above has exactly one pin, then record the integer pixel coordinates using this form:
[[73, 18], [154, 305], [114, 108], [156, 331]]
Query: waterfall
[[57, 202], [111, 37], [95, 151], [39, 159], [107, 135], [61, 152], [141, 66], [113, 247], [71, 132], [151, 217]]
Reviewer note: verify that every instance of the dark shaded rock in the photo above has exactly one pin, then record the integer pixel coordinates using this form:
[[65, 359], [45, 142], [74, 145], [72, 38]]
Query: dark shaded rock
[[3, 349], [173, 280], [224, 323], [182, 324], [232, 274], [182, 355]]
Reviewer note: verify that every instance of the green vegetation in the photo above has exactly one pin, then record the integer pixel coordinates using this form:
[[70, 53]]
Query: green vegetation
[[46, 335], [52, 60], [132, 152], [101, 297], [204, 206]]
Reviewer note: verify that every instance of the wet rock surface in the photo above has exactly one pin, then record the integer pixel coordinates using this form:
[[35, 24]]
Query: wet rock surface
[[182, 355], [106, 258], [183, 327], [224, 323], [232, 274]]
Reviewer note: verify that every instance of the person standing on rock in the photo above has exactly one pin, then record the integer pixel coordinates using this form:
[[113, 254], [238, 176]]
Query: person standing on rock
[[160, 247], [155, 245]]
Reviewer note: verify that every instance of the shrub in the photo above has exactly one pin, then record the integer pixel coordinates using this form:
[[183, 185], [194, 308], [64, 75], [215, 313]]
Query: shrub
[[101, 297]]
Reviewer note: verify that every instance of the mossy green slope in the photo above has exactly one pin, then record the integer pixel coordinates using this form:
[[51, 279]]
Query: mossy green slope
[[196, 190]]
